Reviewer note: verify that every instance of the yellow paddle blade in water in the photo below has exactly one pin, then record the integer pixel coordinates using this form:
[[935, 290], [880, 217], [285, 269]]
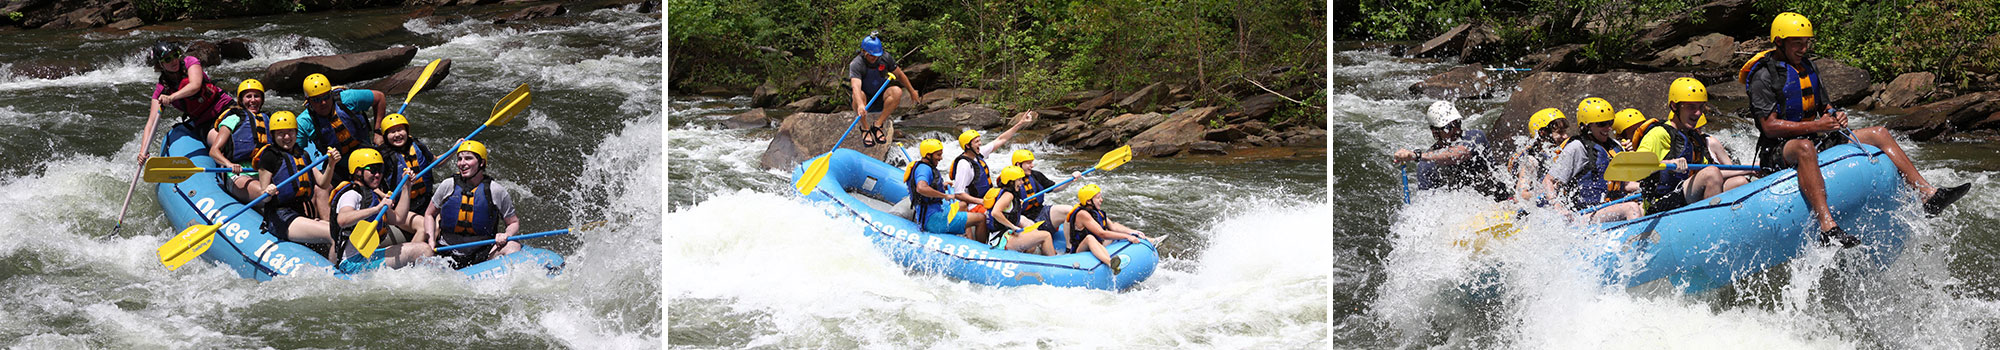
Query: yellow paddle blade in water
[[1485, 229], [187, 245]]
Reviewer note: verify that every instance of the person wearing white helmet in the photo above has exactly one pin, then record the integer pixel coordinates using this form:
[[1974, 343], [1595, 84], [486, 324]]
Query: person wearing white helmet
[[865, 74], [1457, 157], [1796, 120]]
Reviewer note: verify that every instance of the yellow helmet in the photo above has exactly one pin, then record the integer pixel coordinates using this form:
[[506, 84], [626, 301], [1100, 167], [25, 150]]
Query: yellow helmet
[[363, 158], [247, 85], [284, 120], [1541, 119], [1084, 195], [1790, 25], [1022, 155], [1626, 119], [929, 146], [393, 120], [1593, 110], [475, 147], [317, 84], [1012, 173], [965, 138]]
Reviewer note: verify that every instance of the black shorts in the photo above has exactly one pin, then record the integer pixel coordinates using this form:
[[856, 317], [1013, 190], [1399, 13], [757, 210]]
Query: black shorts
[[462, 258], [279, 222], [1673, 200], [1771, 152]]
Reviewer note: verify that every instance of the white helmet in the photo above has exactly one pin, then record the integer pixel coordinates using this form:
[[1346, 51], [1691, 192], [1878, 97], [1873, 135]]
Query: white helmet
[[1442, 113]]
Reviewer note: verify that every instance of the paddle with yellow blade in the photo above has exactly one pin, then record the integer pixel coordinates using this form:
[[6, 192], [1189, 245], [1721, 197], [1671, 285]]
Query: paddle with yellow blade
[[423, 79], [817, 171], [175, 169], [1632, 166], [194, 240], [1110, 160], [364, 236]]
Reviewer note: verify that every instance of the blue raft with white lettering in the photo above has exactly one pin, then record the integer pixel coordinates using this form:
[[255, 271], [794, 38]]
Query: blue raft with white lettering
[[241, 242], [851, 173], [1711, 243]]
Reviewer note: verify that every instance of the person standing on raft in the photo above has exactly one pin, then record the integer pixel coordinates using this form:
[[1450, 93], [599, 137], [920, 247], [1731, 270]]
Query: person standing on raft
[[865, 75], [1796, 121]]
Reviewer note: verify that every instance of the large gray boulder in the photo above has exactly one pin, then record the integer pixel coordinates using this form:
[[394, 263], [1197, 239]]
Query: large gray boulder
[[1562, 91], [1466, 81], [1958, 114], [1903, 92], [400, 82], [288, 76], [1180, 131], [803, 136], [973, 116]]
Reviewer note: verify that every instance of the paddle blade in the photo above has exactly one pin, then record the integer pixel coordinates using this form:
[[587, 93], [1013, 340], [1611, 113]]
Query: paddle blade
[[1032, 227], [422, 80], [1115, 158], [187, 245], [514, 103], [169, 169], [813, 174], [365, 238], [1632, 166]]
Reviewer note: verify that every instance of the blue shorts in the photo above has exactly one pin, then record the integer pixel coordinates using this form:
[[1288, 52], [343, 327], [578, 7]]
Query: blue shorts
[[356, 264], [935, 222]]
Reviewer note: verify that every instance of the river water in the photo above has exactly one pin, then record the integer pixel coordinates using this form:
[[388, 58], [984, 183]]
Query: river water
[[586, 150], [755, 266], [1397, 280]]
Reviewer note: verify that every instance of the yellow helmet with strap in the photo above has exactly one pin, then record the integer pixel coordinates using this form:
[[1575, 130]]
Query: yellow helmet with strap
[[1012, 173], [284, 120], [317, 84], [476, 148], [1083, 196], [929, 146], [363, 158], [965, 138], [247, 85]]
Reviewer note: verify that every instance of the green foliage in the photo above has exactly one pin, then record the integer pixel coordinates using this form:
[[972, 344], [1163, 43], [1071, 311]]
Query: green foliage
[[171, 10], [1889, 38], [14, 16], [1030, 52]]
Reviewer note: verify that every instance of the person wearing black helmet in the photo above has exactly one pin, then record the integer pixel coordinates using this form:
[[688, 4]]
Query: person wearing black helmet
[[183, 84], [865, 74]]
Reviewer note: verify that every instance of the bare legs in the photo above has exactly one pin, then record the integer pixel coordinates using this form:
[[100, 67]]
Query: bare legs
[[1879, 137], [1812, 184]]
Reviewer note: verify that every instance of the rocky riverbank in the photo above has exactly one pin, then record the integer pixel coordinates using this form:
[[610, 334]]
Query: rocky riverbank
[[1158, 120], [120, 15], [1709, 43]]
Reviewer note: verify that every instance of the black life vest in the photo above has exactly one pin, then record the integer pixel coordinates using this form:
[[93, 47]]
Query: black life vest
[[414, 157], [920, 203], [1076, 230], [249, 133], [299, 191], [981, 181]]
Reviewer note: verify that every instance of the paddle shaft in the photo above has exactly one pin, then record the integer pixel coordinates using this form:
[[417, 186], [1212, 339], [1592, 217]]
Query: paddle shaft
[[427, 169], [1058, 185], [1609, 204], [492, 241], [128, 200], [1405, 170], [857, 119], [281, 185]]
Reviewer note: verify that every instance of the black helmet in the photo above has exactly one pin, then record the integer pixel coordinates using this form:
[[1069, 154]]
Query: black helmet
[[162, 52]]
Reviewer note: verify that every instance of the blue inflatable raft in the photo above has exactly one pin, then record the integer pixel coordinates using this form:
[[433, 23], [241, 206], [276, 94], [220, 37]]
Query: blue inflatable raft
[[851, 173], [241, 242], [1749, 229]]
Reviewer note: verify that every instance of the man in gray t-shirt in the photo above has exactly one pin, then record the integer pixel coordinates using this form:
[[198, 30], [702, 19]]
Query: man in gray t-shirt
[[494, 219], [866, 74]]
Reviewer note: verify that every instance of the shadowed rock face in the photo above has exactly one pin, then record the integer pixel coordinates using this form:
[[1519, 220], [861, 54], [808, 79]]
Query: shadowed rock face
[[399, 83], [1562, 91], [288, 76]]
